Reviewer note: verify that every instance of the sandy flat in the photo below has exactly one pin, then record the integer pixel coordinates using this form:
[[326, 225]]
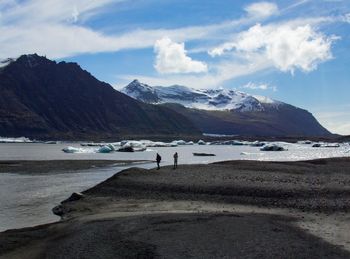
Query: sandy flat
[[46, 166]]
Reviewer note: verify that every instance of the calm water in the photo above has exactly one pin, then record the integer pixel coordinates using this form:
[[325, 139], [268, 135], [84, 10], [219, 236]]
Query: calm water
[[27, 199]]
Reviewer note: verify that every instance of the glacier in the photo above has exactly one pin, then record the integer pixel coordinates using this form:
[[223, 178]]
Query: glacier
[[204, 99]]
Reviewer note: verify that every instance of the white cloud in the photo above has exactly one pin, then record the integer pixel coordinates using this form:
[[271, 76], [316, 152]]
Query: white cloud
[[261, 9], [171, 58], [346, 18], [336, 122], [287, 46], [75, 14], [216, 77], [22, 22], [56, 28], [260, 86]]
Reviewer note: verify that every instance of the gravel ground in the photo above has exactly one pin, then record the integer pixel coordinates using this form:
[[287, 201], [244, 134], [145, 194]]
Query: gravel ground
[[235, 209]]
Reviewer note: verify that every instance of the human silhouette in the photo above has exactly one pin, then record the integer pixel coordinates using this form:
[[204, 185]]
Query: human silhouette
[[158, 159], [175, 160]]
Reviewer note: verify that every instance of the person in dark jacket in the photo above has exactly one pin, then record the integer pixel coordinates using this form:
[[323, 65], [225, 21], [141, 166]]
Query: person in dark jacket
[[158, 159], [175, 160]]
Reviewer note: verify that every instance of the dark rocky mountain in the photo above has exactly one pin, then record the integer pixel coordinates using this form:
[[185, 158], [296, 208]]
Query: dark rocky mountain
[[222, 111], [44, 99]]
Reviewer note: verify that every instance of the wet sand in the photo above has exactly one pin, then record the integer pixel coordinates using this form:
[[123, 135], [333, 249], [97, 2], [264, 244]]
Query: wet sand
[[48, 166], [235, 209]]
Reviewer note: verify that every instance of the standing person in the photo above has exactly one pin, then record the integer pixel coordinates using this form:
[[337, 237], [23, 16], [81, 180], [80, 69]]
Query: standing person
[[175, 160], [158, 159]]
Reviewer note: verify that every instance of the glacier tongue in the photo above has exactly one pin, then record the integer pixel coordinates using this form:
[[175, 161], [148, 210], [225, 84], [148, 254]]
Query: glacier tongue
[[205, 99]]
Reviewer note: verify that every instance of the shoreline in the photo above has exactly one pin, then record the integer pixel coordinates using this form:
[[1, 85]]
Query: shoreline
[[292, 208], [64, 165]]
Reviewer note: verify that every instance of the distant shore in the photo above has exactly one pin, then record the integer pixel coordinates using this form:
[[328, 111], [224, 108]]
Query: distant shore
[[195, 138], [234, 209]]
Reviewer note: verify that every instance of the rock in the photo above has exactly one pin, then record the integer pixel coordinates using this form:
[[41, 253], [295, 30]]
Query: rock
[[60, 210], [203, 154], [74, 197]]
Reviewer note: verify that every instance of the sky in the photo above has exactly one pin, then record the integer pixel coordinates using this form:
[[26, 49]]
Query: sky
[[295, 51]]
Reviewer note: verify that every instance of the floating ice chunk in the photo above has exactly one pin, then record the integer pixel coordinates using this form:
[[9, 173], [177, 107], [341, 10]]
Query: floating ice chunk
[[105, 149], [257, 144], [135, 145], [78, 150], [51, 142], [326, 145], [15, 140], [179, 142], [92, 144], [272, 147], [201, 142], [72, 150]]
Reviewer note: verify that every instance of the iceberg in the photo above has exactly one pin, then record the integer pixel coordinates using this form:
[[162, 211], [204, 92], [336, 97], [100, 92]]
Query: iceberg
[[92, 144], [126, 148], [179, 142], [135, 145], [326, 145], [72, 150], [257, 144], [306, 142], [15, 140], [272, 147], [201, 142], [105, 149]]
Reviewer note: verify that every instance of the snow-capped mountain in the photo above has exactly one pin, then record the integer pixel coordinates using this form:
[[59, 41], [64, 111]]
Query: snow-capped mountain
[[205, 99], [7, 61], [223, 111]]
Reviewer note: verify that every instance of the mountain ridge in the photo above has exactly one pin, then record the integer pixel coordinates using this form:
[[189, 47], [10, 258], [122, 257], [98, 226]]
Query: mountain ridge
[[222, 111], [205, 99], [45, 99]]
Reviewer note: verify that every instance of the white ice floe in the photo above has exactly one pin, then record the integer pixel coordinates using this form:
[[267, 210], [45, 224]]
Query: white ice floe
[[72, 150], [330, 145], [15, 140]]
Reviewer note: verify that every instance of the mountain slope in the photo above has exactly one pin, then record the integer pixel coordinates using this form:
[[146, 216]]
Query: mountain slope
[[224, 111], [44, 99]]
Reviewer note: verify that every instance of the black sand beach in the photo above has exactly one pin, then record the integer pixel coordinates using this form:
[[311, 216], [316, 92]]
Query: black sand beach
[[234, 209]]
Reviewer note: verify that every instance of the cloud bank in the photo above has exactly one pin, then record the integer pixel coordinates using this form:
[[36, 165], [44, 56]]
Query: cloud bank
[[172, 58], [286, 46]]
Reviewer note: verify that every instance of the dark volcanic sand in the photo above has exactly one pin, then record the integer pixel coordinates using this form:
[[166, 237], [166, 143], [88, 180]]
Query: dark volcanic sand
[[238, 209]]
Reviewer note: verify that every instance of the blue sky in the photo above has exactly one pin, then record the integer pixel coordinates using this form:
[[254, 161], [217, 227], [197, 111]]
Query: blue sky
[[296, 51]]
